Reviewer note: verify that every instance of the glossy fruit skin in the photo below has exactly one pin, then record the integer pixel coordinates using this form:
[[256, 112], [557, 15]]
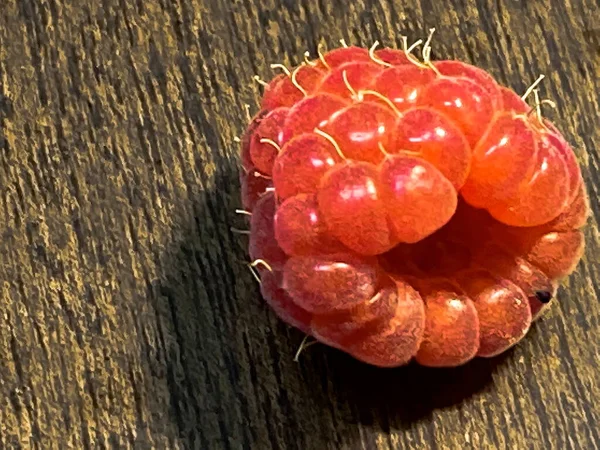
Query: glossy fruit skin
[[303, 161], [325, 284], [432, 136], [408, 213], [263, 153], [351, 199], [410, 186], [451, 335]]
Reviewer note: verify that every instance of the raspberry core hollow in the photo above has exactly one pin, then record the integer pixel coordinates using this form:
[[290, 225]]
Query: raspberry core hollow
[[408, 209]]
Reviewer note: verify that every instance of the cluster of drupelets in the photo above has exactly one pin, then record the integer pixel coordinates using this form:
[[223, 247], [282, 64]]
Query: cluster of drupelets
[[404, 208]]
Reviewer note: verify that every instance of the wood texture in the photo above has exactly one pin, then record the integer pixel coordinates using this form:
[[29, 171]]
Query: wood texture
[[127, 317]]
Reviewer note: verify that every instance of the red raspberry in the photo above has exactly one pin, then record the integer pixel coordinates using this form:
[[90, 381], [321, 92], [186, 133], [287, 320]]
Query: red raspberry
[[405, 209]]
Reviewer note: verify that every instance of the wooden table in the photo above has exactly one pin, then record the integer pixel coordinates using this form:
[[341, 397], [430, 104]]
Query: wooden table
[[127, 316]]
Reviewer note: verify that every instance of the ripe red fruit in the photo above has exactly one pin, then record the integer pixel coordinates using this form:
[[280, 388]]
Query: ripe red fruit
[[342, 55], [324, 284], [543, 195], [300, 228], [351, 200], [392, 56], [301, 164], [451, 335], [458, 69], [263, 245], [463, 100], [403, 84], [410, 186], [311, 112], [246, 140], [398, 338], [351, 326], [281, 302], [266, 140], [254, 185], [434, 137], [361, 129], [503, 157], [502, 308], [271, 95], [286, 93], [408, 210], [353, 75]]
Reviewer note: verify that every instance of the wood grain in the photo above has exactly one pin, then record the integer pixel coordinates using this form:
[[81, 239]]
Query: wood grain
[[127, 317]]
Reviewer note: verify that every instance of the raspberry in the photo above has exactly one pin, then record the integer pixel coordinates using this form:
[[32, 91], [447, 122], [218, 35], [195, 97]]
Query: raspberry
[[263, 245], [348, 327], [283, 305], [310, 113], [359, 75], [343, 55], [254, 185], [403, 85], [502, 309], [475, 74], [434, 137], [405, 209], [410, 187], [300, 228], [361, 129], [267, 139], [396, 341], [465, 101], [351, 199], [323, 284], [307, 158], [391, 56], [451, 335], [501, 158]]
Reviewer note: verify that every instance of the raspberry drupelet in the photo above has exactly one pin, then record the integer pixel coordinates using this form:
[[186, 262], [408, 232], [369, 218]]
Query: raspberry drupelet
[[408, 209]]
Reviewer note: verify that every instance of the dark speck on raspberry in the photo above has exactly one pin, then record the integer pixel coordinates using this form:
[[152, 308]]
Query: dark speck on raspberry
[[543, 296]]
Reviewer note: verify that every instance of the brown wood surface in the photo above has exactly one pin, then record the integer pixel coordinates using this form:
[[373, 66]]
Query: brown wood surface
[[127, 317]]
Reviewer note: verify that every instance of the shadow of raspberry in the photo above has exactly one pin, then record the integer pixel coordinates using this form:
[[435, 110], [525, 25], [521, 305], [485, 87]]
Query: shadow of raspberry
[[407, 398], [397, 398]]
